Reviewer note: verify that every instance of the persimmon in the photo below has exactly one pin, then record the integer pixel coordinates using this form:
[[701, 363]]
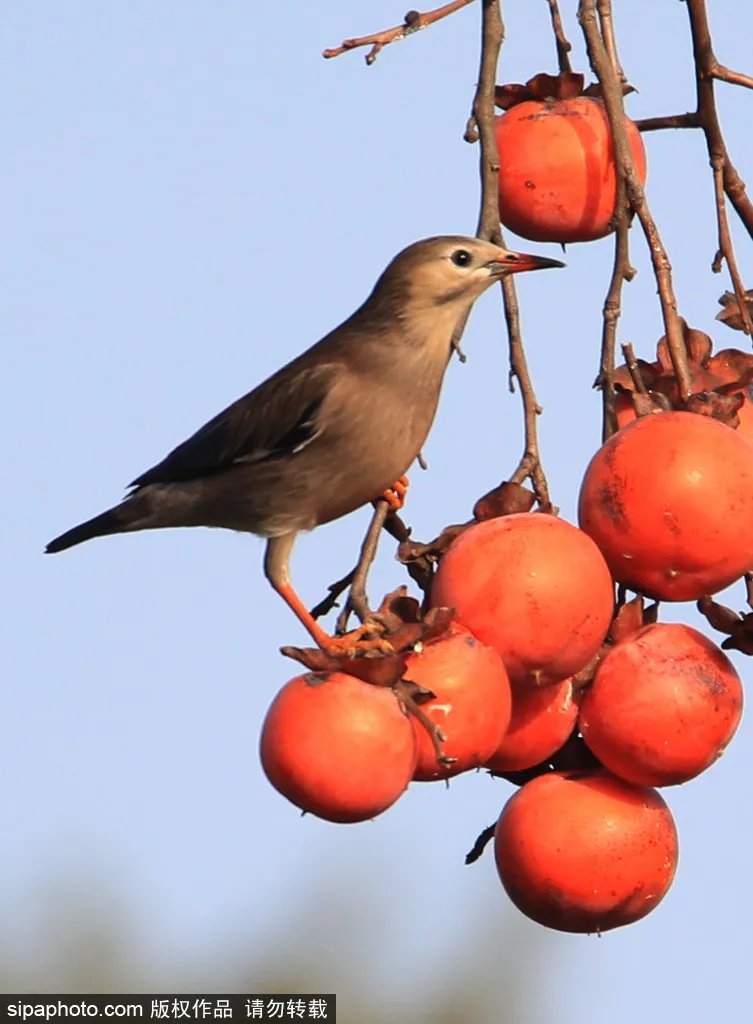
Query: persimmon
[[667, 499], [557, 178], [533, 587], [338, 747], [471, 704], [585, 851], [663, 705], [541, 721]]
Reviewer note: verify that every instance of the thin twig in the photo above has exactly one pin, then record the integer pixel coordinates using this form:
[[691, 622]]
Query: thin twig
[[604, 9], [530, 466], [723, 74], [482, 841], [621, 271], [563, 44], [726, 250], [483, 117], [621, 268], [725, 175], [406, 693], [613, 101], [634, 369], [414, 21], [655, 124], [705, 116], [357, 601], [334, 591]]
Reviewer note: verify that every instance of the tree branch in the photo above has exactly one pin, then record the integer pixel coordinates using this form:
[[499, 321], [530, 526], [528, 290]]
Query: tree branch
[[414, 21], [706, 69], [722, 74], [563, 44], [483, 122], [613, 101], [606, 23], [621, 269], [655, 124], [726, 250], [357, 601]]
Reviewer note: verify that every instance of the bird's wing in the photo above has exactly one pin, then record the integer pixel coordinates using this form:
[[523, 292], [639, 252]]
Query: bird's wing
[[277, 419]]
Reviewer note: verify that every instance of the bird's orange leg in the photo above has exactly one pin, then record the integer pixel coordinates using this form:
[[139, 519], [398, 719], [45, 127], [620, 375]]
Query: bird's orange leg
[[395, 495], [350, 644]]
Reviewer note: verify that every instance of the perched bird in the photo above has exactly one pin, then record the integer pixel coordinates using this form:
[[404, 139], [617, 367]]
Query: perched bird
[[333, 429]]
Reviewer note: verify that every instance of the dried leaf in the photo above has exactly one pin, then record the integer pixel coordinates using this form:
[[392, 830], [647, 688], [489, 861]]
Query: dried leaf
[[720, 407], [649, 372], [506, 96], [411, 551], [504, 500], [595, 91], [627, 620], [733, 367], [652, 402], [730, 314], [564, 86], [698, 346], [541, 87], [718, 616]]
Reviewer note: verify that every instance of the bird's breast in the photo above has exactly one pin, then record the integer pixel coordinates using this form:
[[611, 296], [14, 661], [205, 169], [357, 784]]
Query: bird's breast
[[371, 439]]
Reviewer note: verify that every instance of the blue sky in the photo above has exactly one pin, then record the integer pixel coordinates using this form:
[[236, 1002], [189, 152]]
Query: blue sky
[[193, 196]]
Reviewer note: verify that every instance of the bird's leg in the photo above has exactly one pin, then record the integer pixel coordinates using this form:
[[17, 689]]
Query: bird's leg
[[352, 643], [395, 495]]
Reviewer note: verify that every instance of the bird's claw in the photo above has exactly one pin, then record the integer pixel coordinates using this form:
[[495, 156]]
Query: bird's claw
[[358, 642], [395, 494]]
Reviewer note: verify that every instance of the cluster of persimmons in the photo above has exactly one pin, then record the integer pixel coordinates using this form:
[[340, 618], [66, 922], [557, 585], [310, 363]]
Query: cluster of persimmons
[[538, 656]]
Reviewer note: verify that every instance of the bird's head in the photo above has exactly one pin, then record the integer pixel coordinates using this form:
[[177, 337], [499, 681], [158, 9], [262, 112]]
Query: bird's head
[[453, 270]]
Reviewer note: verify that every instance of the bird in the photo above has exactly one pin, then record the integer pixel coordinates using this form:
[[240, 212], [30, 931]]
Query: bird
[[332, 430]]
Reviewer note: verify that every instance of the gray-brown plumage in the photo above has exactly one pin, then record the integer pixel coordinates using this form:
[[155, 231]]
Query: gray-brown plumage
[[333, 429]]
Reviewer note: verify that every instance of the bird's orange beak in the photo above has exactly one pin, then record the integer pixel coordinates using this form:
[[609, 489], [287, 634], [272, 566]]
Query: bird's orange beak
[[515, 262]]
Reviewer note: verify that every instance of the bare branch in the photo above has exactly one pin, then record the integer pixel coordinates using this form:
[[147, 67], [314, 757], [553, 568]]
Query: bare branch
[[563, 44], [722, 74], [530, 466], [705, 64], [707, 70], [621, 271], [613, 101], [634, 369], [655, 124], [726, 250], [357, 601], [334, 591], [604, 9], [483, 117], [414, 21]]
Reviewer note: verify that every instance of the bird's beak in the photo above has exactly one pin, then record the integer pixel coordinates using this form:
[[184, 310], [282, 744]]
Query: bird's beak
[[515, 262]]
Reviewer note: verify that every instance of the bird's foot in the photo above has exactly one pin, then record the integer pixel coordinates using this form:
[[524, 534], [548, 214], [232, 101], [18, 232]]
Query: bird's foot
[[395, 495], [358, 642]]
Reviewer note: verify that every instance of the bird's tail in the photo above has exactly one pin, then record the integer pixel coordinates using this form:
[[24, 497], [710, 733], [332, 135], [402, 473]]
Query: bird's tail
[[111, 521]]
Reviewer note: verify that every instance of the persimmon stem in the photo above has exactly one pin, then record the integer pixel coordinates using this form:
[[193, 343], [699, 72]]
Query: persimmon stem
[[483, 118], [611, 87], [561, 41]]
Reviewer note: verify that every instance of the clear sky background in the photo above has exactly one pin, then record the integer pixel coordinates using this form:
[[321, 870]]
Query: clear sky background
[[193, 196]]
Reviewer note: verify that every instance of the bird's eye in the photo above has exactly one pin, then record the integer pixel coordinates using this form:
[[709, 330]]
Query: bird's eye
[[461, 257]]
